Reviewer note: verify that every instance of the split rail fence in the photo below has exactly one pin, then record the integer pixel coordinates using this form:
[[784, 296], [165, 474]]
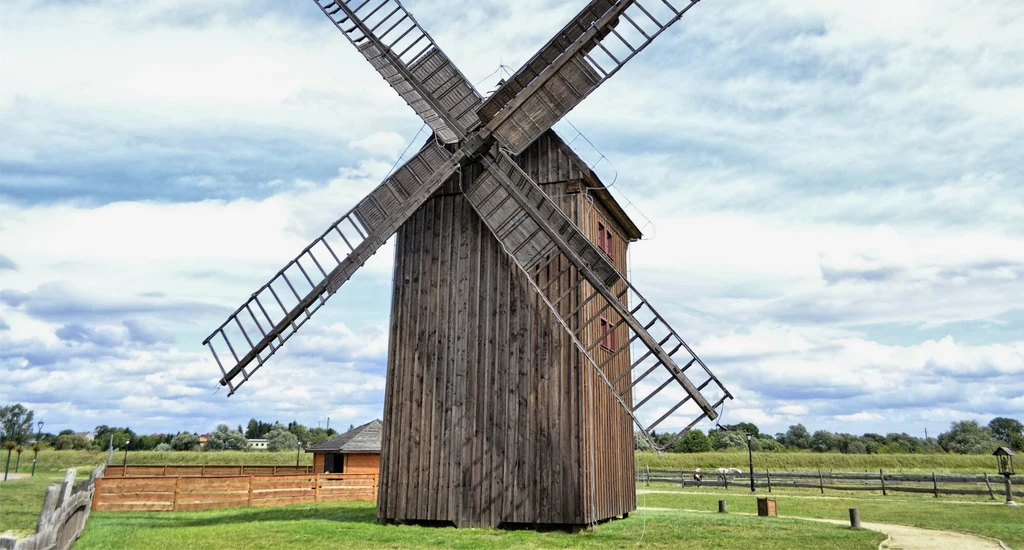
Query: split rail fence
[[936, 484], [197, 492]]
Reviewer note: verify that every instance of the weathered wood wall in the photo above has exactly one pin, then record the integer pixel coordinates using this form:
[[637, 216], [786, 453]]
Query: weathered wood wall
[[491, 414]]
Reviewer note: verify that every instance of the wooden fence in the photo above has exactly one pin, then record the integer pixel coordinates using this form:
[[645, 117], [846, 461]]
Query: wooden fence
[[184, 492], [936, 484], [133, 470], [65, 508]]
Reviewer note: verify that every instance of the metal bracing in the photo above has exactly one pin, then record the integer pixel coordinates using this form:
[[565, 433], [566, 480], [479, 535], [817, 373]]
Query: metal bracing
[[257, 329]]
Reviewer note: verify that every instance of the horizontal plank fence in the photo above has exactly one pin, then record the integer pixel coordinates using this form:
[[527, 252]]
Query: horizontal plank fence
[[140, 470], [190, 492], [990, 485]]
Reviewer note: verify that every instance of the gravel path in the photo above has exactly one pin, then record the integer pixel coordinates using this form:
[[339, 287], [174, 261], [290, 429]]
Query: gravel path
[[12, 476]]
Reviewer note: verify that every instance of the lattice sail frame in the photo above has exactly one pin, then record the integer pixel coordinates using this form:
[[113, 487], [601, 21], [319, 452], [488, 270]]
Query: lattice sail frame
[[530, 227]]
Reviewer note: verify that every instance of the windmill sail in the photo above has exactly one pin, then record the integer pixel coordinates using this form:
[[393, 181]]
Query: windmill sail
[[538, 235], [257, 329], [597, 54], [411, 62]]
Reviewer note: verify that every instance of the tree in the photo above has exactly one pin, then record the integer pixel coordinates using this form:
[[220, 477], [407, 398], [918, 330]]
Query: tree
[[1004, 428], [744, 428], [226, 439], [280, 439], [824, 441], [721, 441], [185, 441], [163, 447], [319, 435], [69, 442], [967, 437], [797, 437], [16, 423], [693, 441], [123, 437], [640, 442]]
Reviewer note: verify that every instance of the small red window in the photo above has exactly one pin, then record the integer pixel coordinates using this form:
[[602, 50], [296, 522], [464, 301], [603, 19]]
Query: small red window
[[607, 335], [605, 240]]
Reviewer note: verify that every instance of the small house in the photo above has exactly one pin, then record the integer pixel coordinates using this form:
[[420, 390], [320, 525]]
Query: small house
[[356, 451], [258, 444]]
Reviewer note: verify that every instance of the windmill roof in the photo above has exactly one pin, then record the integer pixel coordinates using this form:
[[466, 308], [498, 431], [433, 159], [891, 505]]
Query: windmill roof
[[361, 439]]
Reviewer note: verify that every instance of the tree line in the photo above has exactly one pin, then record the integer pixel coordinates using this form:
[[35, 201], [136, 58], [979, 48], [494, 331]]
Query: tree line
[[19, 429], [963, 437]]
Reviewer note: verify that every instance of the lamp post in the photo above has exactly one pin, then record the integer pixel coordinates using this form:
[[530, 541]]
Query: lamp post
[[298, 449], [1004, 460], [35, 448], [750, 454], [124, 464]]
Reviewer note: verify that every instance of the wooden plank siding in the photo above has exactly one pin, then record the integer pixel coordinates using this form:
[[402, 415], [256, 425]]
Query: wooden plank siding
[[492, 416]]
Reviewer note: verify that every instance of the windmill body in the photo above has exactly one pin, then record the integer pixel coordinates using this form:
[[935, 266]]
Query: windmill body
[[521, 359], [492, 415]]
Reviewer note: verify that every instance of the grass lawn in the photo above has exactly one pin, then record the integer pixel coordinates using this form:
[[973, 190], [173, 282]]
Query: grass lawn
[[808, 461], [982, 517], [353, 525], [22, 499]]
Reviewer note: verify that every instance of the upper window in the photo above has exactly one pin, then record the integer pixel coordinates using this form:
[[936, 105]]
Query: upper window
[[608, 342], [605, 240]]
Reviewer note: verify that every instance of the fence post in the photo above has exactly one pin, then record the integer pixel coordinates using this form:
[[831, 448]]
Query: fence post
[[275, 470], [682, 479], [935, 485], [251, 481], [991, 495], [202, 472], [721, 507], [854, 518], [881, 477], [725, 479], [648, 483], [821, 481], [177, 489], [768, 473], [95, 494], [165, 470], [316, 488]]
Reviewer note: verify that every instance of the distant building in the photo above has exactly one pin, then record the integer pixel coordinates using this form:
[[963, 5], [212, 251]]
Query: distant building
[[89, 436], [203, 439], [258, 444], [356, 451]]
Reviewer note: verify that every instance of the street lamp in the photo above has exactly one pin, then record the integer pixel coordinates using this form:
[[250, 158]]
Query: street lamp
[[1004, 460], [750, 454], [298, 448], [124, 465], [35, 448]]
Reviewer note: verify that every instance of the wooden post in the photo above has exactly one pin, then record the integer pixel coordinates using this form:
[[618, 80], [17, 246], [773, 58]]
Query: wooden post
[[275, 470], [821, 481], [165, 470], [316, 488], [202, 471], [648, 484], [881, 477], [768, 473], [721, 507], [97, 493], [935, 485], [177, 490], [725, 480], [854, 518], [991, 494], [251, 483]]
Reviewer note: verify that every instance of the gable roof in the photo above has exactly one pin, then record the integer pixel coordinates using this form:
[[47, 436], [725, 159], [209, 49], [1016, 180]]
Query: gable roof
[[361, 439]]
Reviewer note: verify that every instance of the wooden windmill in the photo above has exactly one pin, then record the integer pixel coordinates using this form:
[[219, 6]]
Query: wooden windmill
[[512, 391]]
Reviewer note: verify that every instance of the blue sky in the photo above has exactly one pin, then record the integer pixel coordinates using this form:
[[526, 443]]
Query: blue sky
[[834, 190]]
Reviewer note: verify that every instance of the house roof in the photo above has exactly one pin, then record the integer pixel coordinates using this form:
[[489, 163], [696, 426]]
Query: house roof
[[361, 439]]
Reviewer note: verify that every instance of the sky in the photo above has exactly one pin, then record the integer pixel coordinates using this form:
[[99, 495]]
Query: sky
[[832, 197]]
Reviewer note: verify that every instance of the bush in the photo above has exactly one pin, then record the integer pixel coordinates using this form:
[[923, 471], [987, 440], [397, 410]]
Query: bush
[[163, 448], [185, 441], [226, 439]]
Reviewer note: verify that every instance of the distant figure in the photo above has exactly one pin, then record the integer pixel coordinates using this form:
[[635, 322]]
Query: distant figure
[[698, 477]]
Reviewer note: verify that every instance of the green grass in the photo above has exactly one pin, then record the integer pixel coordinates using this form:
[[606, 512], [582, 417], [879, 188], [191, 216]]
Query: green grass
[[987, 518], [59, 460], [352, 525], [22, 499], [806, 461]]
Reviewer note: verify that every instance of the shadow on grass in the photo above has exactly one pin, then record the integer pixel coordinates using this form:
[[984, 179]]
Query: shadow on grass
[[364, 513]]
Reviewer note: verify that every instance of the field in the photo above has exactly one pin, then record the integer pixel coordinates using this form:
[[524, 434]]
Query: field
[[978, 516], [352, 525], [806, 461]]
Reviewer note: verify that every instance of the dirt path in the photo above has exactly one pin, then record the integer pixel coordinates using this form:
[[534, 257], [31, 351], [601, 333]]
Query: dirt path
[[902, 537], [12, 476], [823, 497]]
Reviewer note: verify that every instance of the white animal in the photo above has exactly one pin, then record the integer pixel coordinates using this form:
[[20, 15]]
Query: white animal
[[729, 471]]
